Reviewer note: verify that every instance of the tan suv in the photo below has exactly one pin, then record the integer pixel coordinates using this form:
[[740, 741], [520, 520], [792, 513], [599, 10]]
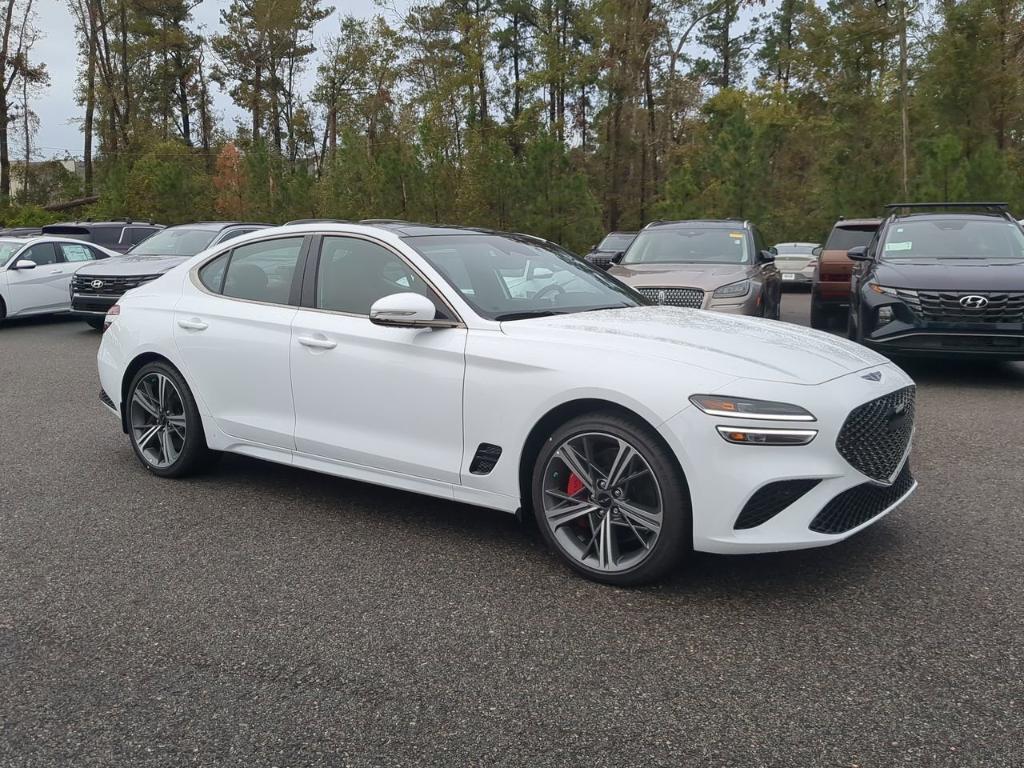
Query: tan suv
[[721, 265]]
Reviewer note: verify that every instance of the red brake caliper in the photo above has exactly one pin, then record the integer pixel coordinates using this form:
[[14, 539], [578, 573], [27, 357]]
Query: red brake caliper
[[575, 485]]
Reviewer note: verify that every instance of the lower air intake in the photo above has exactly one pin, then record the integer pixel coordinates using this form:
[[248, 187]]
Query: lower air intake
[[771, 499], [861, 503]]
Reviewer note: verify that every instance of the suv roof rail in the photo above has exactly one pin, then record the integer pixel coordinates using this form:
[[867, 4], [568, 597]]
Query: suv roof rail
[[985, 206]]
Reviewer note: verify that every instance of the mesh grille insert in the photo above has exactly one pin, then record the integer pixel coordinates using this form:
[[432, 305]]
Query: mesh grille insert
[[771, 499], [859, 504], [675, 297], [875, 435]]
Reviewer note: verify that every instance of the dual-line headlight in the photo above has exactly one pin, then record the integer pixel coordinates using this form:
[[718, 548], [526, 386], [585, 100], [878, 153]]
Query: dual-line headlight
[[767, 410], [732, 290]]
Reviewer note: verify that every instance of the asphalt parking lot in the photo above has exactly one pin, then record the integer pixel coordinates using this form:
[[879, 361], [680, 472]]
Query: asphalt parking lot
[[262, 615]]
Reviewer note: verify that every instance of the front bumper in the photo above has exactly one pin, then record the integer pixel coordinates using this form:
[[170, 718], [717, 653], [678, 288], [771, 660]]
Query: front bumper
[[723, 477], [92, 305]]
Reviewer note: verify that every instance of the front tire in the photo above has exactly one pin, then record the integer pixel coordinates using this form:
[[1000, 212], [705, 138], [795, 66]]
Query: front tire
[[610, 500], [164, 425], [96, 323]]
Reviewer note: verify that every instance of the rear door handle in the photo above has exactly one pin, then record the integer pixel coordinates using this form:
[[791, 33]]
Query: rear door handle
[[194, 324], [317, 343]]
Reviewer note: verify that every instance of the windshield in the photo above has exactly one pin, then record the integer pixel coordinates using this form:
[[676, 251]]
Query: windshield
[[176, 241], [954, 239], [689, 245], [845, 238], [615, 242], [8, 249], [504, 277]]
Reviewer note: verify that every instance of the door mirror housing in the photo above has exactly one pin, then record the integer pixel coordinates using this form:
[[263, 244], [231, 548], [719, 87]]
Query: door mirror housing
[[617, 257], [860, 253], [816, 251], [767, 257], [406, 310], [25, 264]]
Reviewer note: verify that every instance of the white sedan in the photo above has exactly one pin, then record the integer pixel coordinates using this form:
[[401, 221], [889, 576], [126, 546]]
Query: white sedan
[[35, 273], [412, 356]]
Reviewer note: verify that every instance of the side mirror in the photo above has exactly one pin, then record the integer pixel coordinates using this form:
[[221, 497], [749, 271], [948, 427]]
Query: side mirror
[[617, 257], [860, 253], [768, 257], [816, 251], [405, 310], [24, 264]]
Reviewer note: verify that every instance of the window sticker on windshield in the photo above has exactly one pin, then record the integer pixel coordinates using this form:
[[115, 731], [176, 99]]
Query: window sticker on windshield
[[903, 246], [735, 234]]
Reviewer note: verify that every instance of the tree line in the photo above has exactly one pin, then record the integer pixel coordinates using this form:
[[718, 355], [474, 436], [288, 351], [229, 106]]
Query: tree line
[[563, 118]]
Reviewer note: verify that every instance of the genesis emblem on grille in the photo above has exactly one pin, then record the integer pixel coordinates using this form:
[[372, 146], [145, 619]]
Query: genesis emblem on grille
[[974, 302], [873, 376], [96, 284]]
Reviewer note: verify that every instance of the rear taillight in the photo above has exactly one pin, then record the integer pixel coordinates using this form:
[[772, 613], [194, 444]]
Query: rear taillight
[[112, 314]]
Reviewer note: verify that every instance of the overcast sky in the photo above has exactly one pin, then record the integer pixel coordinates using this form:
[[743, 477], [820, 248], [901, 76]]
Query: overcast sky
[[59, 115]]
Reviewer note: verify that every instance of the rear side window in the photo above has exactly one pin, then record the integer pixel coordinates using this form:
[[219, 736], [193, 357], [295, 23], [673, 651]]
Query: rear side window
[[135, 235], [212, 274], [263, 271], [74, 252], [106, 235], [845, 238]]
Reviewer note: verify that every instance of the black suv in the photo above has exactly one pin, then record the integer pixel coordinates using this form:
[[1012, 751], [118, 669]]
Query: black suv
[[95, 289], [614, 243], [117, 236], [941, 279]]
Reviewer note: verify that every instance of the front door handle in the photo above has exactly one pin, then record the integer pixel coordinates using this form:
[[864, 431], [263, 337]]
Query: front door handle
[[56, 271], [317, 342], [194, 324]]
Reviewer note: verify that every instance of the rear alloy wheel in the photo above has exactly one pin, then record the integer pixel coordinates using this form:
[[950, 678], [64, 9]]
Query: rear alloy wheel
[[163, 422], [609, 499]]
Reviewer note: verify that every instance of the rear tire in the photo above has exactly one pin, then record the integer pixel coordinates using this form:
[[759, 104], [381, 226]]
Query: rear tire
[[164, 425], [610, 500], [820, 317]]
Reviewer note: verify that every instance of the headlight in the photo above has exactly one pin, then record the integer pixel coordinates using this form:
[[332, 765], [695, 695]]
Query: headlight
[[883, 289], [732, 290], [745, 408]]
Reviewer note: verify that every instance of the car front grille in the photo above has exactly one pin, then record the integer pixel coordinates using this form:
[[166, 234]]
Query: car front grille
[[602, 260], [108, 286], [859, 504], [771, 499], [945, 306], [875, 436], [675, 297]]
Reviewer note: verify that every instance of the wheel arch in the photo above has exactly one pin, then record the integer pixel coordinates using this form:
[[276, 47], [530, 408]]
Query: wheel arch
[[569, 410]]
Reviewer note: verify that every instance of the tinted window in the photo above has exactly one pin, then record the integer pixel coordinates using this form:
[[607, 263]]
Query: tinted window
[[689, 245], [616, 242], [845, 238], [504, 276], [106, 235], [795, 249], [354, 273], [263, 271], [176, 241], [953, 238], [74, 252], [136, 235], [212, 274], [231, 234], [41, 254]]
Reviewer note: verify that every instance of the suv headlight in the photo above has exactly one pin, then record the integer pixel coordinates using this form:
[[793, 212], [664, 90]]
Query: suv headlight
[[732, 290], [745, 408], [883, 289]]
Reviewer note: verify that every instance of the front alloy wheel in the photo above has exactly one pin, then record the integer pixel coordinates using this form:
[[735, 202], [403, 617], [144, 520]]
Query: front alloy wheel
[[609, 500]]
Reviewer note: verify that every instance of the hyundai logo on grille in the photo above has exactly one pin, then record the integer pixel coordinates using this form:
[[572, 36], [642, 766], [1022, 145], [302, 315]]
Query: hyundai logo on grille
[[974, 302], [873, 376], [96, 284]]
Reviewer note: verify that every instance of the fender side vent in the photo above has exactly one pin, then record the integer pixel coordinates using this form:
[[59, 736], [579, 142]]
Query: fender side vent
[[771, 499], [486, 457]]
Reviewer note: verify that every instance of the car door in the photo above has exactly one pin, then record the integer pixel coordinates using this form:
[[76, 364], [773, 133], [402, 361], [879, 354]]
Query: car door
[[382, 397], [232, 328], [72, 257], [43, 288]]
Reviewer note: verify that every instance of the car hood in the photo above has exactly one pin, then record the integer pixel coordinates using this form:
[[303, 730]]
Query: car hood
[[952, 274], [135, 264], [744, 347], [706, 276]]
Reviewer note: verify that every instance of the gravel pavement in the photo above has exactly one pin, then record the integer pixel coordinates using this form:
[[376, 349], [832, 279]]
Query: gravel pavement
[[267, 616]]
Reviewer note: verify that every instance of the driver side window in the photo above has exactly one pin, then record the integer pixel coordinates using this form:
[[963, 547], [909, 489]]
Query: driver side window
[[354, 273]]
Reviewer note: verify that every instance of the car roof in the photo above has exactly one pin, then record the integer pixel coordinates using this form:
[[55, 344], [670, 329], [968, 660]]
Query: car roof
[[973, 216], [217, 226], [843, 223], [793, 242], [622, 232]]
